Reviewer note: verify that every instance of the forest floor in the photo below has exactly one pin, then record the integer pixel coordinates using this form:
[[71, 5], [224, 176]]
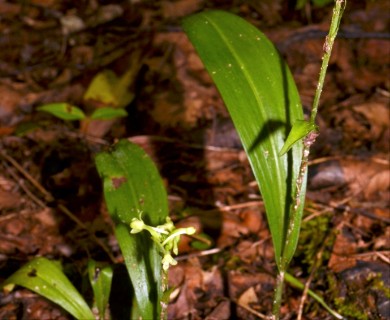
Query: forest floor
[[50, 52]]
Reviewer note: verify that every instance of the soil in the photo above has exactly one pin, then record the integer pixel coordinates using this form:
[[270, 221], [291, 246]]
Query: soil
[[51, 201]]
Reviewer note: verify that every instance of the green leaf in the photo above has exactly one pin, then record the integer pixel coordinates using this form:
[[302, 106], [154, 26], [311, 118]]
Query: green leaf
[[132, 185], [63, 110], [100, 279], [108, 113], [262, 99], [300, 129], [46, 279], [109, 90]]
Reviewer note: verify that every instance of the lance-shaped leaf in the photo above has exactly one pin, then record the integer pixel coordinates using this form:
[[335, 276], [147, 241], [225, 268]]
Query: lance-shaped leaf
[[300, 129], [108, 113], [132, 185], [47, 279], [262, 99]]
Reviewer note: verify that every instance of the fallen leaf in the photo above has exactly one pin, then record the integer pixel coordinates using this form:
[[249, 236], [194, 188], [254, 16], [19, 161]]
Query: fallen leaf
[[9, 200], [368, 176], [248, 297], [181, 8], [344, 248]]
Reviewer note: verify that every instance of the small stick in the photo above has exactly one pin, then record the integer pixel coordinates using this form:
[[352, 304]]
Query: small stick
[[310, 279]]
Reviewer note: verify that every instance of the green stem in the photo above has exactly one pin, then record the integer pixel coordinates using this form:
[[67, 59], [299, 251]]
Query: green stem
[[278, 296], [307, 142], [166, 293], [298, 201], [334, 28], [310, 138]]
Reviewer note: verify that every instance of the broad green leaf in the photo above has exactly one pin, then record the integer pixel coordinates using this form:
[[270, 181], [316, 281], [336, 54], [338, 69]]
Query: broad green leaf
[[300, 129], [108, 113], [100, 279], [109, 90], [132, 185], [63, 110], [46, 279], [260, 94]]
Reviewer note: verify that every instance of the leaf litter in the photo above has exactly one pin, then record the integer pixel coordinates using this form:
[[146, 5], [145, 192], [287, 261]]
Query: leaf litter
[[177, 116]]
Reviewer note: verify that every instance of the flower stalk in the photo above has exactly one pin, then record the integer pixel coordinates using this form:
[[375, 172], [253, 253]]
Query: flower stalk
[[166, 237]]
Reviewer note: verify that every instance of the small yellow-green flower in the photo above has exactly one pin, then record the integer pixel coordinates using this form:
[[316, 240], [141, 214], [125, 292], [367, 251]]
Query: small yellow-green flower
[[166, 237], [168, 260]]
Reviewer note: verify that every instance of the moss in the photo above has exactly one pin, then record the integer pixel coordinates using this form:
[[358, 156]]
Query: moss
[[378, 284], [349, 309], [312, 237], [361, 296]]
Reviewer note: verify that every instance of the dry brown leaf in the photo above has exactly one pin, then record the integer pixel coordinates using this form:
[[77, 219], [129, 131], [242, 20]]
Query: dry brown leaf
[[246, 251], [220, 312], [269, 9], [177, 9], [190, 95], [231, 230], [377, 51], [344, 248], [9, 200], [369, 176], [383, 242], [199, 290], [252, 219], [378, 116], [15, 227], [248, 297]]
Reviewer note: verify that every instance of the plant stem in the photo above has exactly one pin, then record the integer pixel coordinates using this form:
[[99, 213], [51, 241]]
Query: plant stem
[[334, 27], [311, 137], [166, 293], [307, 142], [278, 295]]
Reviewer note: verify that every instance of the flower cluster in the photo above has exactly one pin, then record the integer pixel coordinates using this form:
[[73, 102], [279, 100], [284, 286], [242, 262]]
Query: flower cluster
[[166, 237]]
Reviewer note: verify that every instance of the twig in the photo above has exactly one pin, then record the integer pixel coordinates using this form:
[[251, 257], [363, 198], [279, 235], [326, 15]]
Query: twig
[[296, 283], [48, 197], [239, 206], [198, 254], [24, 188], [379, 254], [91, 234], [249, 309], [35, 183], [310, 279]]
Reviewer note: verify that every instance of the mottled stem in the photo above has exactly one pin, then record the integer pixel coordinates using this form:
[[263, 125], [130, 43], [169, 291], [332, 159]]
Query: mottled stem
[[307, 143], [278, 296], [165, 299], [328, 45]]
